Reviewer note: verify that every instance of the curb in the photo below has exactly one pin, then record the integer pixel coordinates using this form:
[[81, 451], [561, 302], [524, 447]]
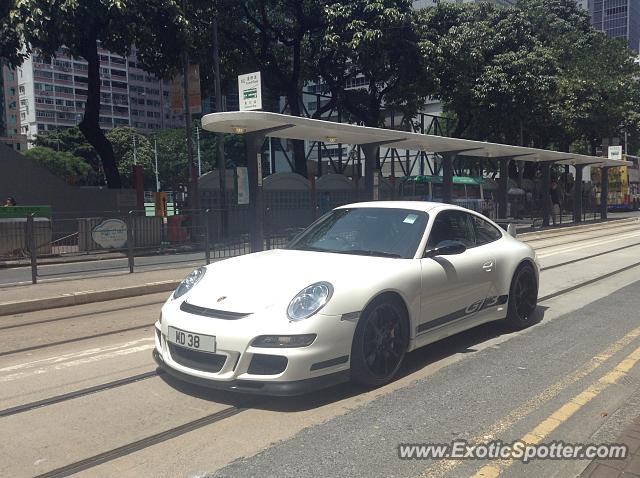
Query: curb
[[85, 297], [573, 227]]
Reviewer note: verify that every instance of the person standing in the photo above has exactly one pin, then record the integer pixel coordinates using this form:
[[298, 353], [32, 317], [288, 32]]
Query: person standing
[[10, 202]]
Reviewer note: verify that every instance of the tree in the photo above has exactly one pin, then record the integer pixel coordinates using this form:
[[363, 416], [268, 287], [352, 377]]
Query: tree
[[10, 41], [127, 155], [378, 42], [70, 140], [280, 38], [172, 156], [156, 27], [599, 93], [494, 72], [64, 165]]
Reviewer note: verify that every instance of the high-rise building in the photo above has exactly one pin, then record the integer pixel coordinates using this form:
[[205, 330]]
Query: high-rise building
[[52, 94], [617, 18], [9, 110]]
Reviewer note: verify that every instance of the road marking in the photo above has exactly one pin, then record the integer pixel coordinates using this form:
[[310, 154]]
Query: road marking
[[585, 246], [75, 363], [560, 416], [442, 467], [75, 356]]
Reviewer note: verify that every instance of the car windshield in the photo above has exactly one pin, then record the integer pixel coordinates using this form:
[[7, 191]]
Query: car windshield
[[383, 232]]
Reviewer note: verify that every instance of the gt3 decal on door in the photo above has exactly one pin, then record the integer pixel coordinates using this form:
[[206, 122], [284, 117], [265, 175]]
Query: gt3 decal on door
[[459, 314]]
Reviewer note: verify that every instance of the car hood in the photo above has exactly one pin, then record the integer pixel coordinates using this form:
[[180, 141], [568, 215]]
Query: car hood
[[263, 280]]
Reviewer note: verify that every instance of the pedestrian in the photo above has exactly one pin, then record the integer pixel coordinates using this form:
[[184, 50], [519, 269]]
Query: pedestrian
[[555, 202], [11, 201]]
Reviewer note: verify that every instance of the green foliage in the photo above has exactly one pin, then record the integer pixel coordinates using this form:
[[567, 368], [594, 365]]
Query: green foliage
[[130, 148], [172, 155], [61, 163], [376, 40], [536, 74], [70, 140], [10, 41]]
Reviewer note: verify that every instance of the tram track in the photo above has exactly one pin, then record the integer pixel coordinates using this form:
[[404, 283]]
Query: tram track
[[628, 230], [80, 316], [217, 416], [146, 442], [552, 234], [70, 341]]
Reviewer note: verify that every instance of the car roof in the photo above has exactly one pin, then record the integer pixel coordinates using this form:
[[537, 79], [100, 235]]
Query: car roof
[[414, 205]]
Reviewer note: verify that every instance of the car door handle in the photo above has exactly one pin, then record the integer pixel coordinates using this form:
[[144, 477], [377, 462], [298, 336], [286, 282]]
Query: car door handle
[[488, 266]]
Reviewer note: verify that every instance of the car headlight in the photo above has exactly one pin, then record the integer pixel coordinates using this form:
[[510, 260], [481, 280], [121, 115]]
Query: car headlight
[[309, 300], [189, 282]]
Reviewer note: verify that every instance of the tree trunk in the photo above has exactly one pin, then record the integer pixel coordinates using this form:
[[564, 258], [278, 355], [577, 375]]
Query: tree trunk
[[299, 154], [90, 124]]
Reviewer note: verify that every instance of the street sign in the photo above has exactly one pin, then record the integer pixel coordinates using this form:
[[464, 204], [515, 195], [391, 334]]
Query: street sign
[[250, 91], [110, 234], [615, 152]]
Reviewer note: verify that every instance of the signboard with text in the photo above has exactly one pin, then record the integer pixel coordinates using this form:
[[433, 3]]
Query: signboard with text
[[615, 152], [250, 91]]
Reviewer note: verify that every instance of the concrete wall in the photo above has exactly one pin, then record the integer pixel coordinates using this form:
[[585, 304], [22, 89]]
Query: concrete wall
[[32, 184]]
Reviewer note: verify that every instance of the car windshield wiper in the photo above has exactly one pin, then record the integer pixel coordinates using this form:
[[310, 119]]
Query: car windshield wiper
[[309, 248], [365, 252]]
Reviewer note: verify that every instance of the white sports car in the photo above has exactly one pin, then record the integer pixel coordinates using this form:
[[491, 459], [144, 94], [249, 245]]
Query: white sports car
[[347, 299]]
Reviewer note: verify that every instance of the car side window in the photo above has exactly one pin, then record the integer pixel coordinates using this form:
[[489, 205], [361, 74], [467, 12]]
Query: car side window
[[452, 226], [485, 232]]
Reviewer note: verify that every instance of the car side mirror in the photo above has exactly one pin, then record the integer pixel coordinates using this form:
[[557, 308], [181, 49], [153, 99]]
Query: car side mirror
[[446, 248], [511, 229]]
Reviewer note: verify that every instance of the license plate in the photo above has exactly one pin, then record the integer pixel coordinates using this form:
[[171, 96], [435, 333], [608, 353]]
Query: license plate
[[189, 340]]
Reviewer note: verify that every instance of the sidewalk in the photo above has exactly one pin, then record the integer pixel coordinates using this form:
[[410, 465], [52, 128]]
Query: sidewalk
[[627, 468], [64, 293]]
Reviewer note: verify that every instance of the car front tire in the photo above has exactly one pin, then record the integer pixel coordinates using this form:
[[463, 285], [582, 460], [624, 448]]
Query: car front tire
[[380, 343], [523, 298]]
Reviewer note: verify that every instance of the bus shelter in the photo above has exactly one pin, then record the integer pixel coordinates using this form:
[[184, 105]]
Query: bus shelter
[[258, 125]]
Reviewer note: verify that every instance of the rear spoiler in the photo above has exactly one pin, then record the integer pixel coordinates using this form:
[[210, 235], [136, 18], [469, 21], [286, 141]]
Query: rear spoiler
[[510, 227]]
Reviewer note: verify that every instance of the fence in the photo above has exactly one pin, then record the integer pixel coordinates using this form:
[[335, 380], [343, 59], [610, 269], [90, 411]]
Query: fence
[[135, 240]]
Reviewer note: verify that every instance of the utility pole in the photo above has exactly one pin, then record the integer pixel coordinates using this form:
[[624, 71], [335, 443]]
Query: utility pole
[[198, 148], [155, 149], [194, 200], [222, 170], [135, 157]]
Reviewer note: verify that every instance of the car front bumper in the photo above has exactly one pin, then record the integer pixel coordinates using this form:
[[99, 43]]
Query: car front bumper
[[236, 365], [262, 387]]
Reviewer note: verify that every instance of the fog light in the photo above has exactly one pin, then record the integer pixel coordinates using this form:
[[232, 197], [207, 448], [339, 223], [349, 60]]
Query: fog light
[[283, 341]]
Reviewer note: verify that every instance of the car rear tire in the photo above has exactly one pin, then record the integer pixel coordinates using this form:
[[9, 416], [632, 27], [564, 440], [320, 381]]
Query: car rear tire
[[523, 298], [380, 343]]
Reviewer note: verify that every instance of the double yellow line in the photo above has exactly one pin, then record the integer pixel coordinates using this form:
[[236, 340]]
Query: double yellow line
[[560, 416]]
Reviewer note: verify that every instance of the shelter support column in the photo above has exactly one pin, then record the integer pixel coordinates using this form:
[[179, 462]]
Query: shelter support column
[[369, 151], [447, 177], [254, 142], [577, 191], [604, 192], [545, 191], [503, 185]]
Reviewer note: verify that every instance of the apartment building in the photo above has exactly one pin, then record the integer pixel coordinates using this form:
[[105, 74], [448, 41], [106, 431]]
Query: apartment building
[[52, 94], [9, 110]]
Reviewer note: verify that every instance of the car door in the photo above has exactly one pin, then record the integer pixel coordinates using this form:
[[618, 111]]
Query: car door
[[486, 236], [453, 286]]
